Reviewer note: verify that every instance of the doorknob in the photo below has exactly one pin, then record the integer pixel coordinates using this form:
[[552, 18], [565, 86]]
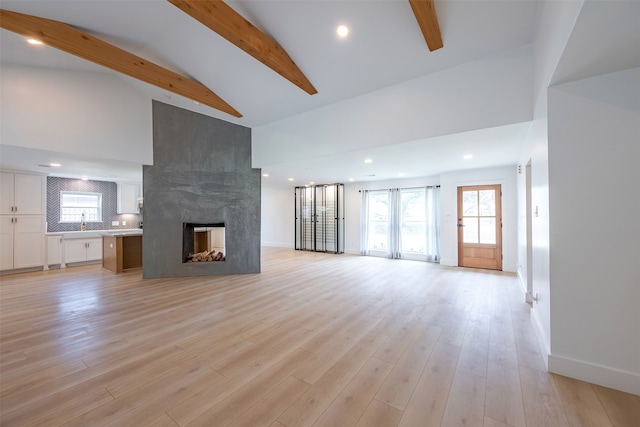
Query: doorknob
[[460, 225]]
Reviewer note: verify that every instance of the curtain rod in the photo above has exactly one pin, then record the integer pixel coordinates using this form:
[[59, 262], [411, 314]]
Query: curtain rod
[[404, 188]]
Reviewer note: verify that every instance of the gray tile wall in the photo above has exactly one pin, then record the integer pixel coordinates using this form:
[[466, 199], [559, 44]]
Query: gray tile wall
[[109, 192], [201, 174]]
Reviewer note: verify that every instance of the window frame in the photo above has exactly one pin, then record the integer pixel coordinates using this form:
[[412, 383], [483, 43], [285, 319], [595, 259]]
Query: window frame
[[88, 218]]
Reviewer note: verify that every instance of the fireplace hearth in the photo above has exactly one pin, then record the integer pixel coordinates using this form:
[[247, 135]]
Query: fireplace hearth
[[203, 242]]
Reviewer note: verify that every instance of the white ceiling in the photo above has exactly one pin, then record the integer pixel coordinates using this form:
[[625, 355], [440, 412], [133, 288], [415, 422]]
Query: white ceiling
[[384, 50]]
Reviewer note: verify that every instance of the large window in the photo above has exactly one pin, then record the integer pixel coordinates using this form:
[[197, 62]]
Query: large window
[[401, 223], [378, 221], [73, 204], [413, 226]]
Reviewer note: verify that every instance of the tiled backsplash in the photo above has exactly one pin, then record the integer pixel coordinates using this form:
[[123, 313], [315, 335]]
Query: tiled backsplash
[[109, 192]]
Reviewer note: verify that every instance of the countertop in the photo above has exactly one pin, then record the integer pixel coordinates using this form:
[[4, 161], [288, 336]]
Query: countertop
[[96, 233]]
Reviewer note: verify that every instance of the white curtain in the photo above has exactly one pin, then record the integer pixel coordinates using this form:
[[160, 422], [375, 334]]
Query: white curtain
[[364, 222], [432, 211], [394, 246], [394, 224]]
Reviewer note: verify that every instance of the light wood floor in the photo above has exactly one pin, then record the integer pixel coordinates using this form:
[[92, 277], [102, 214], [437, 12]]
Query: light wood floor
[[314, 340]]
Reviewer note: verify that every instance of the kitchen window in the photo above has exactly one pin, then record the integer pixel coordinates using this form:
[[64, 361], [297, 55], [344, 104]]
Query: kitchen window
[[73, 204]]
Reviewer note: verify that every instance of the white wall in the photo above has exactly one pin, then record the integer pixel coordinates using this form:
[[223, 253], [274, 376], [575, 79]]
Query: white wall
[[95, 114], [594, 153], [278, 215]]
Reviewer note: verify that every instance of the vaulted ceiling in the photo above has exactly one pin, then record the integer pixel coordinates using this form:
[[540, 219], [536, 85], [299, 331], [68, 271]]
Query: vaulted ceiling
[[385, 70]]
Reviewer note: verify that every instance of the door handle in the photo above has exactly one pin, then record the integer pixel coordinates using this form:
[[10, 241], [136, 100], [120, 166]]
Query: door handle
[[460, 225]]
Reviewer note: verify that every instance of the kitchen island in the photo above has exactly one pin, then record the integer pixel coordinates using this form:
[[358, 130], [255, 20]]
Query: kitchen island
[[122, 251]]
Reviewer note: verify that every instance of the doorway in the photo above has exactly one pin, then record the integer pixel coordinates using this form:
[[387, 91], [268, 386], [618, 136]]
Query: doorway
[[480, 227]]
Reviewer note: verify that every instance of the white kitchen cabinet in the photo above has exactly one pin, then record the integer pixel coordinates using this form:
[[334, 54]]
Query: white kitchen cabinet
[[22, 223], [22, 194], [54, 250], [81, 250], [6, 243], [94, 249], [128, 196], [21, 241]]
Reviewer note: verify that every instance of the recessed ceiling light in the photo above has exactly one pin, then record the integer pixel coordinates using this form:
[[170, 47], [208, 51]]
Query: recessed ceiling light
[[368, 160], [265, 175], [351, 179], [55, 165], [400, 173], [468, 156], [84, 178], [34, 41], [290, 179], [311, 182], [342, 31]]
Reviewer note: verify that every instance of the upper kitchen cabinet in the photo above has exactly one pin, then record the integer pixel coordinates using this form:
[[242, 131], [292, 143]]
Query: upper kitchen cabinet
[[129, 195], [22, 194]]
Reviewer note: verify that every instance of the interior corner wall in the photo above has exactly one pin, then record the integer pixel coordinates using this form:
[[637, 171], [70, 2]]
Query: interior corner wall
[[201, 174], [594, 129]]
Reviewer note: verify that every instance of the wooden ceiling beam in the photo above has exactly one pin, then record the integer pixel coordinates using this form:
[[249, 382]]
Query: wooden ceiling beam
[[221, 18], [69, 39], [425, 12]]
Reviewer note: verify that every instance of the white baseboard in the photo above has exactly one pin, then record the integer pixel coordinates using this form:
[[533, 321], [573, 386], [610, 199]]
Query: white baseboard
[[542, 338], [278, 245], [523, 283], [528, 297], [628, 382]]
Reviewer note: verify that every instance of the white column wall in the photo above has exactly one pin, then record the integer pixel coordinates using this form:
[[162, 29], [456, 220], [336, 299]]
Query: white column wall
[[594, 152], [554, 29]]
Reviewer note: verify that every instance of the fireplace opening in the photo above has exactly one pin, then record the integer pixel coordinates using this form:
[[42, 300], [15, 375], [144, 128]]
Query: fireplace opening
[[203, 242]]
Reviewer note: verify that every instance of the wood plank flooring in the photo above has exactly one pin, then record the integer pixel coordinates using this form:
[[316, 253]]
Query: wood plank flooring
[[314, 340]]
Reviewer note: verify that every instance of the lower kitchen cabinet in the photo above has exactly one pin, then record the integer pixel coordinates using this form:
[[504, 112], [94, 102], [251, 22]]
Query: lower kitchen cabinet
[[54, 250], [21, 242], [80, 250]]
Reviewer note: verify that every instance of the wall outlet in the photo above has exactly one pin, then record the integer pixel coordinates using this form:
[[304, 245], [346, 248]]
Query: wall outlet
[[124, 222], [115, 222]]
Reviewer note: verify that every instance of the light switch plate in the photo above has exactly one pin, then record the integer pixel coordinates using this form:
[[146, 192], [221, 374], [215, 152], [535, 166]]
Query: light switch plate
[[115, 222]]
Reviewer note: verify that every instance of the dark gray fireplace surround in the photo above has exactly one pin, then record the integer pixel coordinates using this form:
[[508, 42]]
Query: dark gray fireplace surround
[[201, 174]]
